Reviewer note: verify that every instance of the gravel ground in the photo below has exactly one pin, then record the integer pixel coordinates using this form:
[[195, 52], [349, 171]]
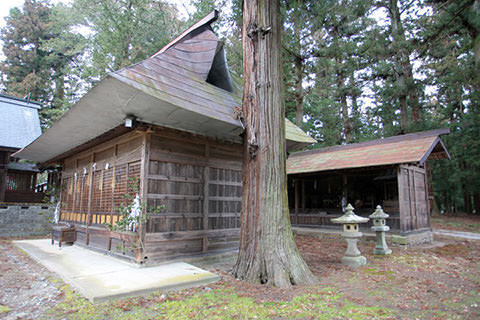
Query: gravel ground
[[26, 289]]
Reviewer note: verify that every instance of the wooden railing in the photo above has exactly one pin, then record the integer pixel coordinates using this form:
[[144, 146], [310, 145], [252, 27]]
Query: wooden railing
[[323, 219], [24, 196]]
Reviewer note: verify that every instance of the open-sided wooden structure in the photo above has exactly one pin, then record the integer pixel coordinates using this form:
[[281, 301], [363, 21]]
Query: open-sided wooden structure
[[20, 126], [390, 172], [181, 143]]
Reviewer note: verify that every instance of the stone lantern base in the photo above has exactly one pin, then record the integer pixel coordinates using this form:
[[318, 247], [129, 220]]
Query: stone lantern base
[[353, 257], [381, 247]]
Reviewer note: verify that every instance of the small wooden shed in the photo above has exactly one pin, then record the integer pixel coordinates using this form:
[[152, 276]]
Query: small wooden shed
[[20, 125], [168, 123], [390, 172]]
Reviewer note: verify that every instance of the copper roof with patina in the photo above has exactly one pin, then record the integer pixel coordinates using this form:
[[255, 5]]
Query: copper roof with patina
[[409, 148]]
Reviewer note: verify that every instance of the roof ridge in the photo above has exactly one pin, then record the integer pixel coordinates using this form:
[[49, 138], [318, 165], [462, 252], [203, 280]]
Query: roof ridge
[[207, 20], [392, 139]]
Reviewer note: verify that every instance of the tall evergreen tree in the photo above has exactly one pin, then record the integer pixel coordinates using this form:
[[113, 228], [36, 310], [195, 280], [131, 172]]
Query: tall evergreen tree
[[450, 51], [123, 32], [39, 51], [338, 49], [267, 253]]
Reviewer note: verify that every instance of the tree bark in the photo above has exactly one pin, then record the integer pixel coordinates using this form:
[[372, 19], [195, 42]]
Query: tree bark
[[299, 95], [467, 202], [268, 253], [476, 202], [408, 92]]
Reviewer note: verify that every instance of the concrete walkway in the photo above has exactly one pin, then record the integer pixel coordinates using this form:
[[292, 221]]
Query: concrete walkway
[[457, 234], [100, 277]]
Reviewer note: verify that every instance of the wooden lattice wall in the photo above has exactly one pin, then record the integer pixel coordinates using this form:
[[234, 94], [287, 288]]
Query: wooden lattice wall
[[93, 185]]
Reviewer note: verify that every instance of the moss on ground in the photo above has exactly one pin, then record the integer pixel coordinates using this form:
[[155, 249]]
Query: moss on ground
[[221, 303], [4, 309], [456, 223]]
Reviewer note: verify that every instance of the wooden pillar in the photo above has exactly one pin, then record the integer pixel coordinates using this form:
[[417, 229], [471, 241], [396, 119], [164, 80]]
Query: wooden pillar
[[206, 178], [90, 191], [413, 199], [344, 191], [102, 209], [303, 196], [402, 198], [34, 182], [74, 192], [144, 172], [297, 199], [114, 177], [4, 159]]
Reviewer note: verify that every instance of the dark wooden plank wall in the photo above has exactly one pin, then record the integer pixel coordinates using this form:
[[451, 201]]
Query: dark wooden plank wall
[[413, 198], [199, 183]]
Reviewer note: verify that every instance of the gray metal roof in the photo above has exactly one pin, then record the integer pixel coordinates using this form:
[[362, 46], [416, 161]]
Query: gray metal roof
[[23, 166], [19, 120]]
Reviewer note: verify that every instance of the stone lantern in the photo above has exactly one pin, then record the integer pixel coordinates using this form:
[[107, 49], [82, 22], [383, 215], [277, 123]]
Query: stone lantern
[[350, 221], [379, 227]]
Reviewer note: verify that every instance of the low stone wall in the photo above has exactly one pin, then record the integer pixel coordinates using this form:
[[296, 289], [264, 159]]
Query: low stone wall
[[414, 238], [22, 220]]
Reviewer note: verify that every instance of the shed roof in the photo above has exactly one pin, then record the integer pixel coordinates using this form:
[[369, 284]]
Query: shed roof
[[186, 86], [20, 124], [22, 166], [409, 148]]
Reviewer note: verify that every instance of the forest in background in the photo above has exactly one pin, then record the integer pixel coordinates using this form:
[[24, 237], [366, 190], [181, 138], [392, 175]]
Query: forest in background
[[354, 70]]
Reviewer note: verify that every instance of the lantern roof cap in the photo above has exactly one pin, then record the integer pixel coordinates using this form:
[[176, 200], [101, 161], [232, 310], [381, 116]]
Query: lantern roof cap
[[349, 217], [378, 214]]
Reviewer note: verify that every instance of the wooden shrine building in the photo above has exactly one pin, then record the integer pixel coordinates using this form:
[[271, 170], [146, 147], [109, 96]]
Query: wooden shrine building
[[20, 125], [390, 172], [167, 123]]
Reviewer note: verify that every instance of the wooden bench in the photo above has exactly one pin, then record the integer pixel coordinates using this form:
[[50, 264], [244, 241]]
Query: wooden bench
[[63, 233]]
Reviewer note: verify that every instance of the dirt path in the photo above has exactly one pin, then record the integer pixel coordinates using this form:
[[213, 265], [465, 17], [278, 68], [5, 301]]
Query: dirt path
[[457, 234], [27, 288]]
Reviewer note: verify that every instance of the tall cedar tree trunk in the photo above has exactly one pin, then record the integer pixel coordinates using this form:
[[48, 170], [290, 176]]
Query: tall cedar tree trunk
[[299, 95], [299, 66], [342, 95], [268, 253], [476, 202], [467, 198], [408, 93]]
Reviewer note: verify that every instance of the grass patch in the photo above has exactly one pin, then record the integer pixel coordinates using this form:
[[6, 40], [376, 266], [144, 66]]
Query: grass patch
[[414, 261], [376, 272], [221, 303], [453, 250], [457, 223], [4, 309]]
